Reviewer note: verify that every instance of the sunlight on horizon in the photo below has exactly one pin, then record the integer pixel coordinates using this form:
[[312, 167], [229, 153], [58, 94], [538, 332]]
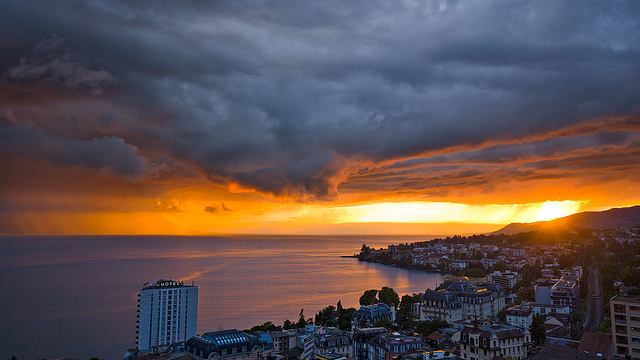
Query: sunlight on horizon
[[438, 212]]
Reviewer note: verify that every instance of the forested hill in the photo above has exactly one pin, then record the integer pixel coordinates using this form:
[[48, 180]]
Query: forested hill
[[609, 219]]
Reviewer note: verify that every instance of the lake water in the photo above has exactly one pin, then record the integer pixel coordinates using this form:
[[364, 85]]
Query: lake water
[[76, 296]]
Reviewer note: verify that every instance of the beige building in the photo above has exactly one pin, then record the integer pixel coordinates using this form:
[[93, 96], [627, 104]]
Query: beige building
[[484, 342], [625, 325]]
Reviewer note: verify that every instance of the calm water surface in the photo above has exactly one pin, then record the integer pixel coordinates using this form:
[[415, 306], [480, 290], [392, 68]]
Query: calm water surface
[[76, 296]]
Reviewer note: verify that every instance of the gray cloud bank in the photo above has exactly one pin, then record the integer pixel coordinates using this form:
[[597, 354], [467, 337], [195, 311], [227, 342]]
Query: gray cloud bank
[[295, 98]]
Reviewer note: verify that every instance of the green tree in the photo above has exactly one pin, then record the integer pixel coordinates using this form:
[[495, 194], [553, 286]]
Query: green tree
[[327, 317], [425, 328], [389, 296], [537, 329], [365, 251], [385, 323], [502, 314], [404, 317], [500, 266], [344, 320], [527, 294], [302, 322], [267, 326], [369, 297], [288, 325]]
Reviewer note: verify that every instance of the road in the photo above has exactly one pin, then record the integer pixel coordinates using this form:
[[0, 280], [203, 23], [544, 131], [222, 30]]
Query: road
[[595, 313]]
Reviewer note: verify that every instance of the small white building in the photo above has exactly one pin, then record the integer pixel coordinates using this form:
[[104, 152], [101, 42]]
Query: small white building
[[520, 316], [167, 313]]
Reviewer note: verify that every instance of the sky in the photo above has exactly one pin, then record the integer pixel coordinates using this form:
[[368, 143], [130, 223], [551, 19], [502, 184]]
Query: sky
[[363, 116]]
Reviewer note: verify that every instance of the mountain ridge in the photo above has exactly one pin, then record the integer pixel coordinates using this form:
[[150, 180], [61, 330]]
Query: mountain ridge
[[608, 219]]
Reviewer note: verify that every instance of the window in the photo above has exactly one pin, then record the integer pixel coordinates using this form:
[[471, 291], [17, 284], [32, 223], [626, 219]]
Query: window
[[619, 308]]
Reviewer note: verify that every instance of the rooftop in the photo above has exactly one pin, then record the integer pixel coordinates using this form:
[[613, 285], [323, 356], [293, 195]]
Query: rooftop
[[162, 283], [627, 298]]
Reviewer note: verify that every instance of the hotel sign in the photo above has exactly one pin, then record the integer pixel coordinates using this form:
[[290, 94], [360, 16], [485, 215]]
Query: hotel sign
[[167, 283]]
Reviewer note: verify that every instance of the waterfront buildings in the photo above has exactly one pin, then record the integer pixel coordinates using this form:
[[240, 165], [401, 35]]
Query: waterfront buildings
[[388, 346], [361, 338], [484, 342], [625, 325], [334, 342], [457, 299], [225, 344], [167, 313], [439, 305], [369, 315]]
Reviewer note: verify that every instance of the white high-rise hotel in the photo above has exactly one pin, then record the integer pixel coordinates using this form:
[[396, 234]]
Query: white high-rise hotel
[[167, 313]]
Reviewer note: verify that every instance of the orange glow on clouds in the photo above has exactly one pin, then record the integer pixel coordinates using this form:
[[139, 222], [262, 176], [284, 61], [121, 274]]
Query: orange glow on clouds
[[441, 212]]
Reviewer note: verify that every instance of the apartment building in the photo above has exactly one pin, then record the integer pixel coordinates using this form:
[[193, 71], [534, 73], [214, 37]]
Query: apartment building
[[625, 325]]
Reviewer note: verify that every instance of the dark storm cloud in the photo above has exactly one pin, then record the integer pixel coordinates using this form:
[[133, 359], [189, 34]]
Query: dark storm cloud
[[107, 156], [291, 98], [52, 61]]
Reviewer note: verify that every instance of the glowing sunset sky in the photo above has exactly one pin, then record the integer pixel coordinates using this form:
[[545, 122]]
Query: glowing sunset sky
[[365, 116]]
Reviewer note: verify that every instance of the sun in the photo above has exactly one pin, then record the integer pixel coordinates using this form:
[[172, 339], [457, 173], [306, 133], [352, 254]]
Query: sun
[[550, 210]]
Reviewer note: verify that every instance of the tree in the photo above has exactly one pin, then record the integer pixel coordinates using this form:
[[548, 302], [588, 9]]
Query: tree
[[302, 322], [344, 319], [369, 297], [267, 326], [404, 317], [425, 328], [365, 251], [385, 323], [339, 308], [527, 294], [327, 317], [500, 266], [288, 325], [502, 314], [537, 329], [389, 296]]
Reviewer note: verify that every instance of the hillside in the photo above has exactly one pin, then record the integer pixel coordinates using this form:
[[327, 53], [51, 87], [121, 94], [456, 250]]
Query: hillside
[[609, 219]]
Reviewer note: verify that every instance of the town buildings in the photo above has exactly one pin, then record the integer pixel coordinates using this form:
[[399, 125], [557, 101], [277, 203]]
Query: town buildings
[[484, 342], [334, 342], [361, 338], [520, 316], [458, 299], [369, 315], [625, 325], [387, 346], [225, 344], [167, 313], [563, 291]]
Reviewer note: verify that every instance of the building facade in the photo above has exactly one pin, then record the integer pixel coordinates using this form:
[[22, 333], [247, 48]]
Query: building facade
[[439, 305], [361, 339], [167, 313], [565, 292], [458, 299], [339, 343], [389, 346], [520, 316], [484, 342], [225, 344], [369, 315], [625, 325]]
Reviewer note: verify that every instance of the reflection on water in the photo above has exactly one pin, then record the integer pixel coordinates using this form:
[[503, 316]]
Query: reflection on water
[[76, 296]]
